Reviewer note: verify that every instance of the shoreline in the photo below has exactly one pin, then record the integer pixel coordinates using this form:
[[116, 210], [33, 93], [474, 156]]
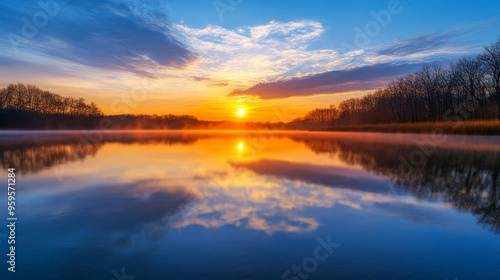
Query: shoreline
[[488, 127], [479, 128]]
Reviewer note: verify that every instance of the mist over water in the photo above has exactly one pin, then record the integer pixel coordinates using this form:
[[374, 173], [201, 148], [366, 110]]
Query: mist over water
[[250, 205]]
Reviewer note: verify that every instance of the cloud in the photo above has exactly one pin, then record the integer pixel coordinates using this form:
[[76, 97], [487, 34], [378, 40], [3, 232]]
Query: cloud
[[211, 82], [408, 46], [279, 60], [448, 43], [249, 54], [328, 176], [298, 31], [355, 79], [122, 207], [118, 36], [12, 68], [90, 39]]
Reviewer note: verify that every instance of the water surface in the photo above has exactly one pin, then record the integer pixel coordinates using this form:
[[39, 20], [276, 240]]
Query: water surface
[[253, 205]]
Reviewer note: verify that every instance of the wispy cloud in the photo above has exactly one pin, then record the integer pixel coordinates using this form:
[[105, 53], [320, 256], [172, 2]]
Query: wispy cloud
[[408, 46], [118, 36], [327, 176], [211, 82], [355, 79], [449, 43], [250, 54]]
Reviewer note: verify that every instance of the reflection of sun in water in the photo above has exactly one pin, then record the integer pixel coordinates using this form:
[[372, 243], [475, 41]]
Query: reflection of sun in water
[[241, 112], [240, 146]]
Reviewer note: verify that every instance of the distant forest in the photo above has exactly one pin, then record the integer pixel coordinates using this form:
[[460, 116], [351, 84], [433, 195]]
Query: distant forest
[[468, 89]]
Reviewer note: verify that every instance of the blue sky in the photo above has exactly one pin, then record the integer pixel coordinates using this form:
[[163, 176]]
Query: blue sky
[[208, 58], [340, 17]]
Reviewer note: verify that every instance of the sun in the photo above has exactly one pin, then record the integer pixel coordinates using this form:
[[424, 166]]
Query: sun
[[241, 112]]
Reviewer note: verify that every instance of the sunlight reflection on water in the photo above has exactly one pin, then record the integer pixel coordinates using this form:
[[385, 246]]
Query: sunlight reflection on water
[[220, 199]]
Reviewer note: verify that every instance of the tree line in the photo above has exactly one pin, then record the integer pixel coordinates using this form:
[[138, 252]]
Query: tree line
[[171, 121], [30, 98], [434, 93]]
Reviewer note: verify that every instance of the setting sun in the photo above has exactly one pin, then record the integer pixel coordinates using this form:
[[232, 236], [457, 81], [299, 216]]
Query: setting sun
[[241, 112]]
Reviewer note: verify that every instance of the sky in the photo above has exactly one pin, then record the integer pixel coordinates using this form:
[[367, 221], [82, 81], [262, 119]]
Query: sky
[[208, 58]]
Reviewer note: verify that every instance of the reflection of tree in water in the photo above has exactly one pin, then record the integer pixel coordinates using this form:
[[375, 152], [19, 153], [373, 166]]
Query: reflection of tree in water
[[466, 177], [34, 159], [33, 153]]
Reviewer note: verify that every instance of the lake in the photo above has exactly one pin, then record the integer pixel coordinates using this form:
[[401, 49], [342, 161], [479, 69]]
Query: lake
[[252, 205]]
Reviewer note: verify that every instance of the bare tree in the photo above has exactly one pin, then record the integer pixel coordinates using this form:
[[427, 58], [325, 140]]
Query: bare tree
[[491, 59], [31, 98]]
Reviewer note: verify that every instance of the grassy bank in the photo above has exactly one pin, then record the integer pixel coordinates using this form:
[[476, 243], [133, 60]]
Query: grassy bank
[[466, 128]]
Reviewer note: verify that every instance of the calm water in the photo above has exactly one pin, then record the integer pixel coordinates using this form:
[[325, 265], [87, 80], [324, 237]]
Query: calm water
[[219, 205]]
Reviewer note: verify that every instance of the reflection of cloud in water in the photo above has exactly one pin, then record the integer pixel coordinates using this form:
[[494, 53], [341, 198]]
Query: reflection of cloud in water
[[105, 225], [280, 189], [276, 203], [126, 209], [410, 212], [252, 202], [271, 194], [329, 176]]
